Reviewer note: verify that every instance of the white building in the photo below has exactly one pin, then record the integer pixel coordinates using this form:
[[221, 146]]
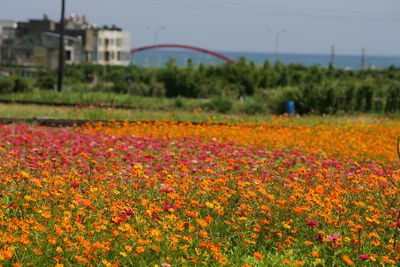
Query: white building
[[113, 47]]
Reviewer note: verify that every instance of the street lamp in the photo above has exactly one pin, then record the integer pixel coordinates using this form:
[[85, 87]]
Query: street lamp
[[277, 41], [156, 33]]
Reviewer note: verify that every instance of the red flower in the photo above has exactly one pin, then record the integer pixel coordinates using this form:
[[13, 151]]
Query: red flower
[[75, 184], [312, 223]]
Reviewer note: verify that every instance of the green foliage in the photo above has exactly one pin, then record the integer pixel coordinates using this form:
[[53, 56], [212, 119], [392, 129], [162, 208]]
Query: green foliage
[[253, 107], [393, 97], [218, 104], [276, 98], [46, 79], [20, 84], [179, 102], [314, 89], [6, 85]]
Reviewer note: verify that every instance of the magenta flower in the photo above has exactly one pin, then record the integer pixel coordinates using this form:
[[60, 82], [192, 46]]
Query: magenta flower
[[312, 223], [169, 208], [363, 257], [129, 212]]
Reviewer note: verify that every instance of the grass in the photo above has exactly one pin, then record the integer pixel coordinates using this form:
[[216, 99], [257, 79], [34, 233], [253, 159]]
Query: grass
[[100, 98], [29, 111], [23, 111]]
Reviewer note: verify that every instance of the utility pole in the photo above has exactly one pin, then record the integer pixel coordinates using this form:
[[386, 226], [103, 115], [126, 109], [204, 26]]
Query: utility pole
[[362, 58], [61, 50], [332, 64]]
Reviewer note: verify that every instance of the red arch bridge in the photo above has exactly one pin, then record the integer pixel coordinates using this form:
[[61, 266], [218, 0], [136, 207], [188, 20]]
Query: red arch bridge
[[189, 47]]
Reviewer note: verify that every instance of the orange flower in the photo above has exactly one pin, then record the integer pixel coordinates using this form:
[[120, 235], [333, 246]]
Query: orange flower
[[347, 260], [46, 215], [139, 249], [258, 256]]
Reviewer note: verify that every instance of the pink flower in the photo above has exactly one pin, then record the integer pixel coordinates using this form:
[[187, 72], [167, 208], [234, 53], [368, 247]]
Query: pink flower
[[166, 189], [312, 223], [165, 265], [363, 257], [334, 237]]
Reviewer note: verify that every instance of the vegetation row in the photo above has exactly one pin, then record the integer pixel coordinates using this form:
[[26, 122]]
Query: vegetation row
[[262, 88]]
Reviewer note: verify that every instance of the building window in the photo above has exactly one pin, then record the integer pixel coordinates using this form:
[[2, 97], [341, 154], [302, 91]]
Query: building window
[[107, 56], [68, 55], [100, 41], [112, 55], [106, 41], [119, 55]]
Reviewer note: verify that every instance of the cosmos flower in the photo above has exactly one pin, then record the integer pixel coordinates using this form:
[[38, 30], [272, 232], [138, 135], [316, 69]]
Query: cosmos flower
[[363, 257], [312, 223]]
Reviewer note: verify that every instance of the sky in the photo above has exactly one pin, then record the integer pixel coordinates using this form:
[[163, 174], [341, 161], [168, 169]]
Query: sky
[[290, 26]]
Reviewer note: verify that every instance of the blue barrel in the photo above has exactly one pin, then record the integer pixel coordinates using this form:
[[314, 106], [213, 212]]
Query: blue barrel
[[289, 107]]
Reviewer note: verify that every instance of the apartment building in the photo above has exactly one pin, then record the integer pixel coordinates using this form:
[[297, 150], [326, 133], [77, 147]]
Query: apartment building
[[36, 42]]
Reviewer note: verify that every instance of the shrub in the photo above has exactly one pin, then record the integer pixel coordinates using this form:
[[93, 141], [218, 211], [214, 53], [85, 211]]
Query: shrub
[[179, 102], [158, 90], [20, 84], [393, 97], [6, 85], [46, 80], [253, 107], [219, 104], [120, 86], [103, 87], [139, 89], [276, 99]]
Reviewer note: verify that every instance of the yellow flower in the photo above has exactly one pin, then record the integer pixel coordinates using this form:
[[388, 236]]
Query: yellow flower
[[287, 226], [106, 263]]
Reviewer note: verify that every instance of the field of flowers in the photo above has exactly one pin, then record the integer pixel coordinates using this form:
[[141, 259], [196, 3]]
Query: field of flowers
[[284, 192]]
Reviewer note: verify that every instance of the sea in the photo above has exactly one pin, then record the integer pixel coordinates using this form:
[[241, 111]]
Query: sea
[[159, 57]]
